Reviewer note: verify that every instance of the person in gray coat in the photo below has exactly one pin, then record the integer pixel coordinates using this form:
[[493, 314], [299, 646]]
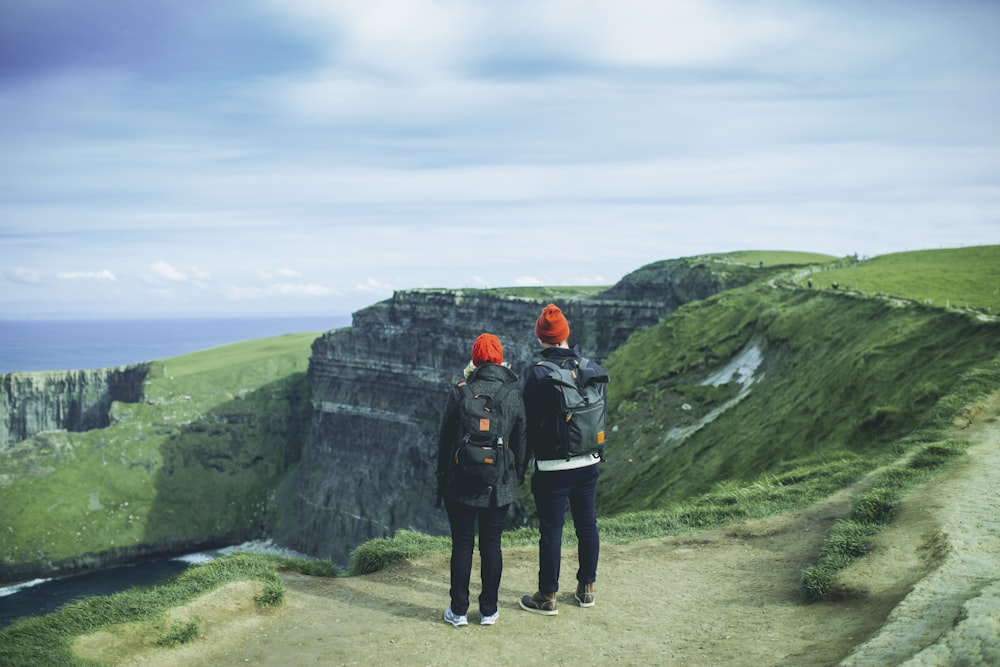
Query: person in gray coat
[[468, 504]]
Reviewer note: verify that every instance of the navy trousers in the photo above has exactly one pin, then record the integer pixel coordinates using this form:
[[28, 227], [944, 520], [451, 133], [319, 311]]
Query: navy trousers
[[552, 491], [463, 534]]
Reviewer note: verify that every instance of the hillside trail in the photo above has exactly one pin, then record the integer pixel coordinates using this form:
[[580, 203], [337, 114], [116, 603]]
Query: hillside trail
[[928, 594]]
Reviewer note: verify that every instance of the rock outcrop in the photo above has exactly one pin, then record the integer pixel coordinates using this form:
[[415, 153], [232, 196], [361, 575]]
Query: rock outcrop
[[379, 387], [32, 403]]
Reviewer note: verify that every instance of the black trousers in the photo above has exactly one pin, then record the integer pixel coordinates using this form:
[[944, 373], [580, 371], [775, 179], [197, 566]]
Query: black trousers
[[463, 536]]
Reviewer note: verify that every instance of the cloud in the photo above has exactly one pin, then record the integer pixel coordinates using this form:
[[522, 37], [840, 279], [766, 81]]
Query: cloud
[[373, 285], [23, 276], [104, 275], [293, 290], [279, 273], [449, 144], [161, 270]]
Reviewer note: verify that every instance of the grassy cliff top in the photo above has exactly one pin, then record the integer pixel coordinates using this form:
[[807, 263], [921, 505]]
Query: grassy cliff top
[[950, 278]]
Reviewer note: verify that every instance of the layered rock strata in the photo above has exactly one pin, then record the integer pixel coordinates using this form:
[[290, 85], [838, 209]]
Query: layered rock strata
[[379, 387], [32, 403]]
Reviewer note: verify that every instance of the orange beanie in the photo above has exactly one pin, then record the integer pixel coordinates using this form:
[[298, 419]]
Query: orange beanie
[[552, 326], [487, 350]]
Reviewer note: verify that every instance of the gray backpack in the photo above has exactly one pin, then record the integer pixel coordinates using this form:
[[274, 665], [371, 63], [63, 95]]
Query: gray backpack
[[583, 409]]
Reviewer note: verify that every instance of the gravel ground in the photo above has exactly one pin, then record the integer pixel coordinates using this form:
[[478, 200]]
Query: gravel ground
[[952, 616]]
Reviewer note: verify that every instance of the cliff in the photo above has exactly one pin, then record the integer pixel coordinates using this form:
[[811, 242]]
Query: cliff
[[379, 387], [323, 451], [31, 403]]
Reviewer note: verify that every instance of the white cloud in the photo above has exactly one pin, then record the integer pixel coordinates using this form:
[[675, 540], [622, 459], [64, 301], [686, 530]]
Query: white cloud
[[267, 274], [293, 290], [373, 285], [104, 275], [165, 271], [23, 275]]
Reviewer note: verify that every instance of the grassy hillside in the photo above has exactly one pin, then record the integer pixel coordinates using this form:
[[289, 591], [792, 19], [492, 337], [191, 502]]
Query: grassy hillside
[[950, 278], [152, 477], [826, 378], [772, 257]]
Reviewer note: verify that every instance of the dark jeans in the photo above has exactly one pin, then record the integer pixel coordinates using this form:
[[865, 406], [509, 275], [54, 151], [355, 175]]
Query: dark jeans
[[463, 532], [552, 491]]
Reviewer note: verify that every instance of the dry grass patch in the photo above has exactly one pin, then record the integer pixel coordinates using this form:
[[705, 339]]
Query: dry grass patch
[[221, 612]]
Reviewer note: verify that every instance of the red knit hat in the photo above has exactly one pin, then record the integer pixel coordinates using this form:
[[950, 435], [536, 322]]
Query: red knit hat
[[552, 326], [487, 350]]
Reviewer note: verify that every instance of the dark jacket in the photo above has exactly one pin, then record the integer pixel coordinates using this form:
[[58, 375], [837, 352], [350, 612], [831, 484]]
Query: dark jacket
[[485, 378], [541, 405]]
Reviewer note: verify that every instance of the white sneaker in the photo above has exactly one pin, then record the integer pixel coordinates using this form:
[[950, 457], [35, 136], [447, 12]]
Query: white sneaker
[[491, 619], [455, 619]]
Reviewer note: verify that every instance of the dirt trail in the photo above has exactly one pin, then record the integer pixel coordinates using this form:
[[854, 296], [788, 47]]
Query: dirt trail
[[928, 595]]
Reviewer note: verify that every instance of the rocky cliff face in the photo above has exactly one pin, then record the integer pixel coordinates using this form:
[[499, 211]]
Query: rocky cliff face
[[379, 387], [32, 403]]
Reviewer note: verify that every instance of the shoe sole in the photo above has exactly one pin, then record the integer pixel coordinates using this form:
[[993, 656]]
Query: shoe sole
[[585, 604], [534, 610], [456, 623]]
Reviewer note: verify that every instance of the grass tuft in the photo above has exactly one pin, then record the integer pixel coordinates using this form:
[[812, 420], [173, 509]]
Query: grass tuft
[[870, 511], [380, 553], [179, 633]]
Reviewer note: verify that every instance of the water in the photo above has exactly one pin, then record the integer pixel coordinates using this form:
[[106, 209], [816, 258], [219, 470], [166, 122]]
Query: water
[[52, 345], [42, 596]]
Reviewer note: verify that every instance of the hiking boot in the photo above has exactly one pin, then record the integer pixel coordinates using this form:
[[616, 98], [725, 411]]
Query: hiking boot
[[540, 603], [491, 619], [585, 595], [455, 619]]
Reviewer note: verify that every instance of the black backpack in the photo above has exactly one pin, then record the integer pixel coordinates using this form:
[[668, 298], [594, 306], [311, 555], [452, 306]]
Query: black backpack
[[481, 456], [583, 410]]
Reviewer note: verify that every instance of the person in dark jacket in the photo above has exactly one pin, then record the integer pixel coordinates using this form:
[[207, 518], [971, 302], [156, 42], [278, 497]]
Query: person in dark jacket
[[488, 505], [558, 480]]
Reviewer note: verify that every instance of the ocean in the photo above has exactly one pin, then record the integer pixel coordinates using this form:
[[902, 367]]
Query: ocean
[[54, 345]]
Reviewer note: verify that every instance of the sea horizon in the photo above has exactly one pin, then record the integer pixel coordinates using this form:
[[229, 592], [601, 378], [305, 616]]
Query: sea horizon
[[35, 345]]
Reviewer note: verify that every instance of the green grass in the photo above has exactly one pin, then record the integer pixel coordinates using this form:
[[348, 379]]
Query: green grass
[[47, 640], [870, 511], [949, 278], [164, 472], [839, 376], [772, 258]]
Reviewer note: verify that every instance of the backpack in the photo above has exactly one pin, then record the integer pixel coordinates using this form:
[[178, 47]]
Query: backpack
[[481, 456], [580, 391]]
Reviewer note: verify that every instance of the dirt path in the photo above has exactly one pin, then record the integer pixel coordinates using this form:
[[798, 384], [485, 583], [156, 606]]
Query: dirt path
[[931, 589]]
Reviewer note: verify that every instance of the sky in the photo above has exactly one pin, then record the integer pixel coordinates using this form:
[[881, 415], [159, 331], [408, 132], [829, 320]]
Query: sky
[[309, 157]]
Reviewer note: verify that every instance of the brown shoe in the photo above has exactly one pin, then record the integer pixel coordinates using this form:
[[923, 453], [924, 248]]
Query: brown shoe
[[540, 603], [585, 595]]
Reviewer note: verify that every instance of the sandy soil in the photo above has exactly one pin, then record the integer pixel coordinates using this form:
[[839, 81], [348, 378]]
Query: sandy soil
[[929, 594]]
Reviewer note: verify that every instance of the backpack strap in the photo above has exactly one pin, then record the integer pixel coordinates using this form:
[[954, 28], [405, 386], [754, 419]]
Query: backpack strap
[[577, 364]]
